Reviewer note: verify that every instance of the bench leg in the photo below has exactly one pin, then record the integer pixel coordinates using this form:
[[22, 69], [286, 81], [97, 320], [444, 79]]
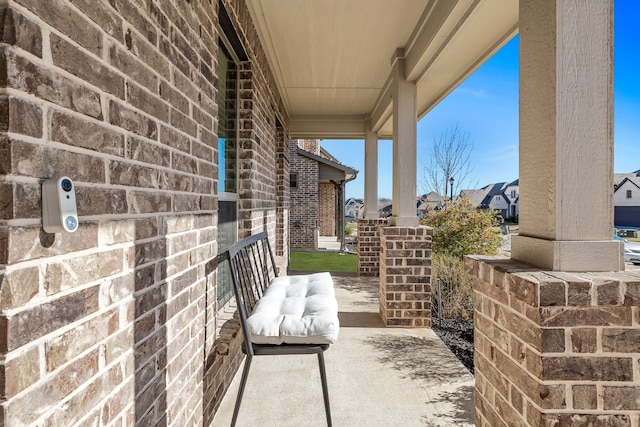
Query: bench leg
[[325, 389], [243, 382]]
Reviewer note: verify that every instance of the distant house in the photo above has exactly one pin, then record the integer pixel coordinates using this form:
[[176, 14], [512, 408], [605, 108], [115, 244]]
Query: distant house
[[502, 197], [512, 193], [317, 181], [430, 201], [354, 208], [385, 211], [626, 200]]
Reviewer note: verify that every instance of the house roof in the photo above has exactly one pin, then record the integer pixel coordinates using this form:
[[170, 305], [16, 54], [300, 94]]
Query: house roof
[[482, 197], [619, 178], [632, 179], [432, 197], [349, 172]]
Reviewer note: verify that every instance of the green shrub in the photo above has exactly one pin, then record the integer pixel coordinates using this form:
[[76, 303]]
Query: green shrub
[[349, 228], [461, 230]]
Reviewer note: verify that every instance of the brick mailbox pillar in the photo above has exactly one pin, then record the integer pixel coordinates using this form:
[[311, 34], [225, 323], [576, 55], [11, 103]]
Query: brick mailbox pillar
[[405, 276], [553, 348]]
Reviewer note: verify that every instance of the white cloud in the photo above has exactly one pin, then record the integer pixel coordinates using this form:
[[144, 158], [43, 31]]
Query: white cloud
[[477, 93]]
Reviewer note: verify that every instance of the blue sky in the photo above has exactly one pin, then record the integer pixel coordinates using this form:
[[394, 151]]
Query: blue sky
[[485, 107]]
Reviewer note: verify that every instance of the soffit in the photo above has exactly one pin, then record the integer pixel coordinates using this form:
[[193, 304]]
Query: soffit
[[332, 58]]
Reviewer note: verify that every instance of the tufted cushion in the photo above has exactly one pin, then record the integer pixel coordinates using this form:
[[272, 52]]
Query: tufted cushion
[[296, 310]]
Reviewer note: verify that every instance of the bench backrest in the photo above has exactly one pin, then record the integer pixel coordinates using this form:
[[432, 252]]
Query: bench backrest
[[253, 268]]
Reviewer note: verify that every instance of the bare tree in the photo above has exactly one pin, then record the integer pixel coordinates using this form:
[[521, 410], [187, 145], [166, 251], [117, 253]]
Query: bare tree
[[450, 158]]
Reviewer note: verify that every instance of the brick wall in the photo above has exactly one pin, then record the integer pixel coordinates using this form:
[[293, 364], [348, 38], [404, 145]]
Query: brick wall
[[405, 276], [369, 246], [327, 209], [310, 145], [555, 348], [116, 323], [304, 219]]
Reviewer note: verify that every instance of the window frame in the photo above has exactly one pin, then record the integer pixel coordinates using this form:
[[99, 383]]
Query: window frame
[[224, 293]]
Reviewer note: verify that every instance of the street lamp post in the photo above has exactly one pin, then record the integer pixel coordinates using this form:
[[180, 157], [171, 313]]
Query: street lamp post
[[451, 180]]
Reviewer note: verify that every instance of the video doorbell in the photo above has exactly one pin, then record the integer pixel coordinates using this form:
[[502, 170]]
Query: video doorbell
[[59, 212]]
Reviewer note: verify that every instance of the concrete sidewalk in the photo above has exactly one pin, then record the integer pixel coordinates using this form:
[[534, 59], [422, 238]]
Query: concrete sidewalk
[[377, 376]]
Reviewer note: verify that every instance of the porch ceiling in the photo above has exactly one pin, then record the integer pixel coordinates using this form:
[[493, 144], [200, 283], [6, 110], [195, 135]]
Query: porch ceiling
[[332, 58]]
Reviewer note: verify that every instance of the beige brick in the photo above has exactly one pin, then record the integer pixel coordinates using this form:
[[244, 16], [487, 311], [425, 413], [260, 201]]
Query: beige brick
[[609, 293], [585, 397], [79, 271], [22, 371], [19, 287], [28, 407], [35, 322], [83, 336]]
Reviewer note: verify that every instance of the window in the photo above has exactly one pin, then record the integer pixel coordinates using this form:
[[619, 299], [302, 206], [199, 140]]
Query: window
[[293, 180], [227, 165], [629, 194], [513, 194]]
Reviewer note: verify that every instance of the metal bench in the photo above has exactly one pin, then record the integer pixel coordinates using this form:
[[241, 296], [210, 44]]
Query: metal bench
[[266, 331]]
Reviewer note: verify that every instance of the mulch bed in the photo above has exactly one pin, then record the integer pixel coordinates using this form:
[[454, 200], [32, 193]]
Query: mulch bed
[[457, 334]]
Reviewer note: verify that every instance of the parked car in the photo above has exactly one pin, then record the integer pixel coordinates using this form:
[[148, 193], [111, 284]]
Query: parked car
[[631, 250]]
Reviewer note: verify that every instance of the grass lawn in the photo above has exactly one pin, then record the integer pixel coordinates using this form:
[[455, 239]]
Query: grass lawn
[[323, 261]]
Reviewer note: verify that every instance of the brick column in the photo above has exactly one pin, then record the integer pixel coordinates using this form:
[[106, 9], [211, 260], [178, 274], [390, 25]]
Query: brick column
[[369, 246], [405, 276], [555, 348]]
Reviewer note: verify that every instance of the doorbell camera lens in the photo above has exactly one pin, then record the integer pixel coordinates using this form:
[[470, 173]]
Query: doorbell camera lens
[[66, 185]]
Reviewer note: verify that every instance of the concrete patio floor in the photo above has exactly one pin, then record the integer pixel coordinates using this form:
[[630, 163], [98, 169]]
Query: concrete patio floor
[[377, 376]]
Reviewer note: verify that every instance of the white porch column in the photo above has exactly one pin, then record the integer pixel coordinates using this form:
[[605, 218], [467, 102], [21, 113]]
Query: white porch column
[[370, 174], [566, 136], [404, 145]]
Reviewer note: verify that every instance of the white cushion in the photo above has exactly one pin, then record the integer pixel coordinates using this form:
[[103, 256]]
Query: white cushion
[[296, 310]]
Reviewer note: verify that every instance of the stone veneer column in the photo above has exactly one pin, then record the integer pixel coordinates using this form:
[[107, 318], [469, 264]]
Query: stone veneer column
[[369, 246], [555, 349], [405, 276]]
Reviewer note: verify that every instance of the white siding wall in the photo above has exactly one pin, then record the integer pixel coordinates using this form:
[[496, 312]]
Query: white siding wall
[[620, 196]]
